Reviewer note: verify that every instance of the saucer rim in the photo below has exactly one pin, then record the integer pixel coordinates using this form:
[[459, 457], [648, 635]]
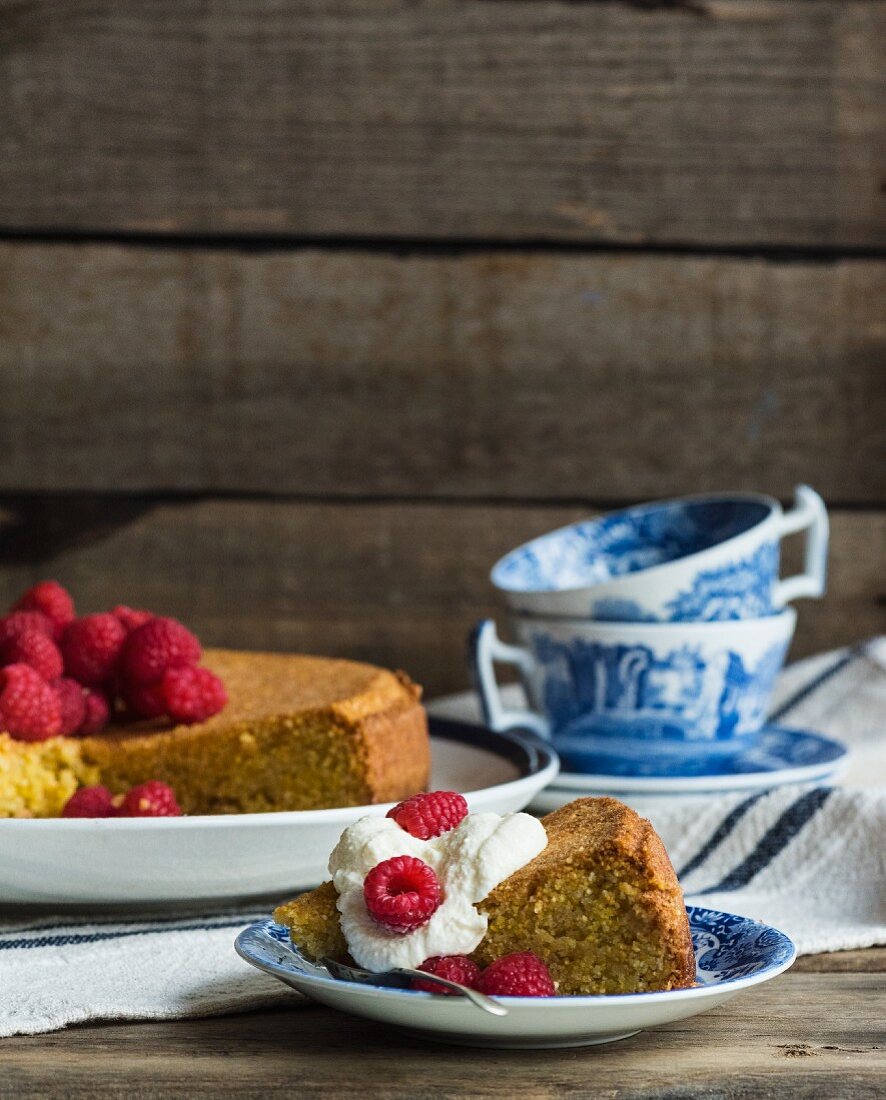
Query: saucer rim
[[702, 783]]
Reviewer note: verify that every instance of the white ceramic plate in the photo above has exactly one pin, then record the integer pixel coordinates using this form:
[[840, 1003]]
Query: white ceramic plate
[[732, 953], [137, 861]]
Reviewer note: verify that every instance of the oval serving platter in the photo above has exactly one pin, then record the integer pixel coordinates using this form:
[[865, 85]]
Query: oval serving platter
[[130, 862], [732, 953]]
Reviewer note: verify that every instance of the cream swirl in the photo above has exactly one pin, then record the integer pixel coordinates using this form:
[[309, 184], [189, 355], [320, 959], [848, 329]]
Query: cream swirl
[[469, 860]]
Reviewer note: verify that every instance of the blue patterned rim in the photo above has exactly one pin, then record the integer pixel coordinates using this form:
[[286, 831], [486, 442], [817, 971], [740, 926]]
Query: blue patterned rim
[[632, 540], [777, 750], [730, 950]]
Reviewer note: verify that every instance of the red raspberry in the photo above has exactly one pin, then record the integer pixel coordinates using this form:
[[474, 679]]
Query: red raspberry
[[90, 802], [145, 701], [428, 815], [91, 648], [34, 648], [130, 617], [402, 893], [53, 600], [152, 799], [457, 968], [97, 714], [154, 647], [519, 975], [72, 703], [29, 708], [192, 694], [15, 624]]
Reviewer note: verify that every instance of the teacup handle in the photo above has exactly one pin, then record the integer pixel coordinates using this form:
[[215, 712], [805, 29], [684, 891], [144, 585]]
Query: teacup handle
[[486, 649], [808, 514]]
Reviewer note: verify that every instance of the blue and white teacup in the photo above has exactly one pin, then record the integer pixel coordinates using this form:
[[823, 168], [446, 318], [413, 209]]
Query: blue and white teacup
[[637, 698], [696, 559]]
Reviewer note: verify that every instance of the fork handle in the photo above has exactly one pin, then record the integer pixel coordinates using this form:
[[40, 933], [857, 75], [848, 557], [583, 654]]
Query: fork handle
[[473, 995]]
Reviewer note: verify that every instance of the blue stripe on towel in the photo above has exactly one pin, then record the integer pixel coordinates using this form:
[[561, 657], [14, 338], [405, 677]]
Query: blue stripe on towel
[[774, 840], [723, 830], [121, 921], [804, 692], [75, 938]]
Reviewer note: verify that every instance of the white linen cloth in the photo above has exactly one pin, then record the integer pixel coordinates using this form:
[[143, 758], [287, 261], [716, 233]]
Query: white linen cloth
[[810, 860]]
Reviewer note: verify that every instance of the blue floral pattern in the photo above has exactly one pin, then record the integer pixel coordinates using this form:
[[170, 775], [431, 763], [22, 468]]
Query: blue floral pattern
[[780, 748], [739, 590], [625, 542], [728, 947], [592, 688]]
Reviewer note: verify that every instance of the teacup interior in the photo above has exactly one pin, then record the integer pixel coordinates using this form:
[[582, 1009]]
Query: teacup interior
[[625, 542]]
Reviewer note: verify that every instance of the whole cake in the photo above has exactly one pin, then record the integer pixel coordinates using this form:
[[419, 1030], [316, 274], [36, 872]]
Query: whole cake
[[297, 733], [596, 900]]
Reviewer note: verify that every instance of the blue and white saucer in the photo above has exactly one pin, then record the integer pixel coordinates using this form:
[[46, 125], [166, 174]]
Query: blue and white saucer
[[731, 954], [781, 756]]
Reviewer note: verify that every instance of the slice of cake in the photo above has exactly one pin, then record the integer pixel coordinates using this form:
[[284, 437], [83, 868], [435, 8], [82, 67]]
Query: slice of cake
[[600, 906], [298, 733]]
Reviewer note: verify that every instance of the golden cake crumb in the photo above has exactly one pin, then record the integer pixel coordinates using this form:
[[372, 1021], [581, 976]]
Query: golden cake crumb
[[298, 733]]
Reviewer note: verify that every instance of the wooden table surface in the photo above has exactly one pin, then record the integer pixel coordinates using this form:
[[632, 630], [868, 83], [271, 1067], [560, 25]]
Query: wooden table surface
[[818, 1031]]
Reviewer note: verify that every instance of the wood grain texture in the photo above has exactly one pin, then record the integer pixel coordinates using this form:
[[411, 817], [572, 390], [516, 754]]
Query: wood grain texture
[[507, 375], [399, 584], [803, 1037], [869, 961], [711, 121]]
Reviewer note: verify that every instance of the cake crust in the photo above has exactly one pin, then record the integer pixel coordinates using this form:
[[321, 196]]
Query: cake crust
[[601, 905], [298, 733]]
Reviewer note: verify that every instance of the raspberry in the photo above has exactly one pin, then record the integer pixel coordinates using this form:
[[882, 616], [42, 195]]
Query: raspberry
[[519, 975], [402, 893], [130, 617], [428, 815], [15, 624], [145, 701], [457, 968], [72, 703], [152, 799], [29, 708], [53, 600], [154, 647], [34, 648], [91, 648], [97, 713], [89, 802], [192, 694]]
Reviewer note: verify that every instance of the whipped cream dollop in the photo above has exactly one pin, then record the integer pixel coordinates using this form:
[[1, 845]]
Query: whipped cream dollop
[[469, 860]]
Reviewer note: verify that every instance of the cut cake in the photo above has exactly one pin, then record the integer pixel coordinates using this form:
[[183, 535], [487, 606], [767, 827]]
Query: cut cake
[[600, 906]]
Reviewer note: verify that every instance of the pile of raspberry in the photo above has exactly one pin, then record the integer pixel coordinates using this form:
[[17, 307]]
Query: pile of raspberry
[[61, 675], [151, 799], [403, 893]]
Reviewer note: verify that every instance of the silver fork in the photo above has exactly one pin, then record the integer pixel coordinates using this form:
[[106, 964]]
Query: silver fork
[[402, 977]]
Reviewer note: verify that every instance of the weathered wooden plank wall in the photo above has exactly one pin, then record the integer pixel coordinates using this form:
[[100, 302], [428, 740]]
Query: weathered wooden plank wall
[[497, 374], [310, 310], [712, 121]]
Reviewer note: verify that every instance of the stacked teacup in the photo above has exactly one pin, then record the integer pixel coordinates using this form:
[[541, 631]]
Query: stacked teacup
[[649, 640]]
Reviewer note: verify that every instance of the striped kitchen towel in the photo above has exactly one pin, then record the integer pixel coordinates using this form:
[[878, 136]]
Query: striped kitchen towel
[[810, 860]]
